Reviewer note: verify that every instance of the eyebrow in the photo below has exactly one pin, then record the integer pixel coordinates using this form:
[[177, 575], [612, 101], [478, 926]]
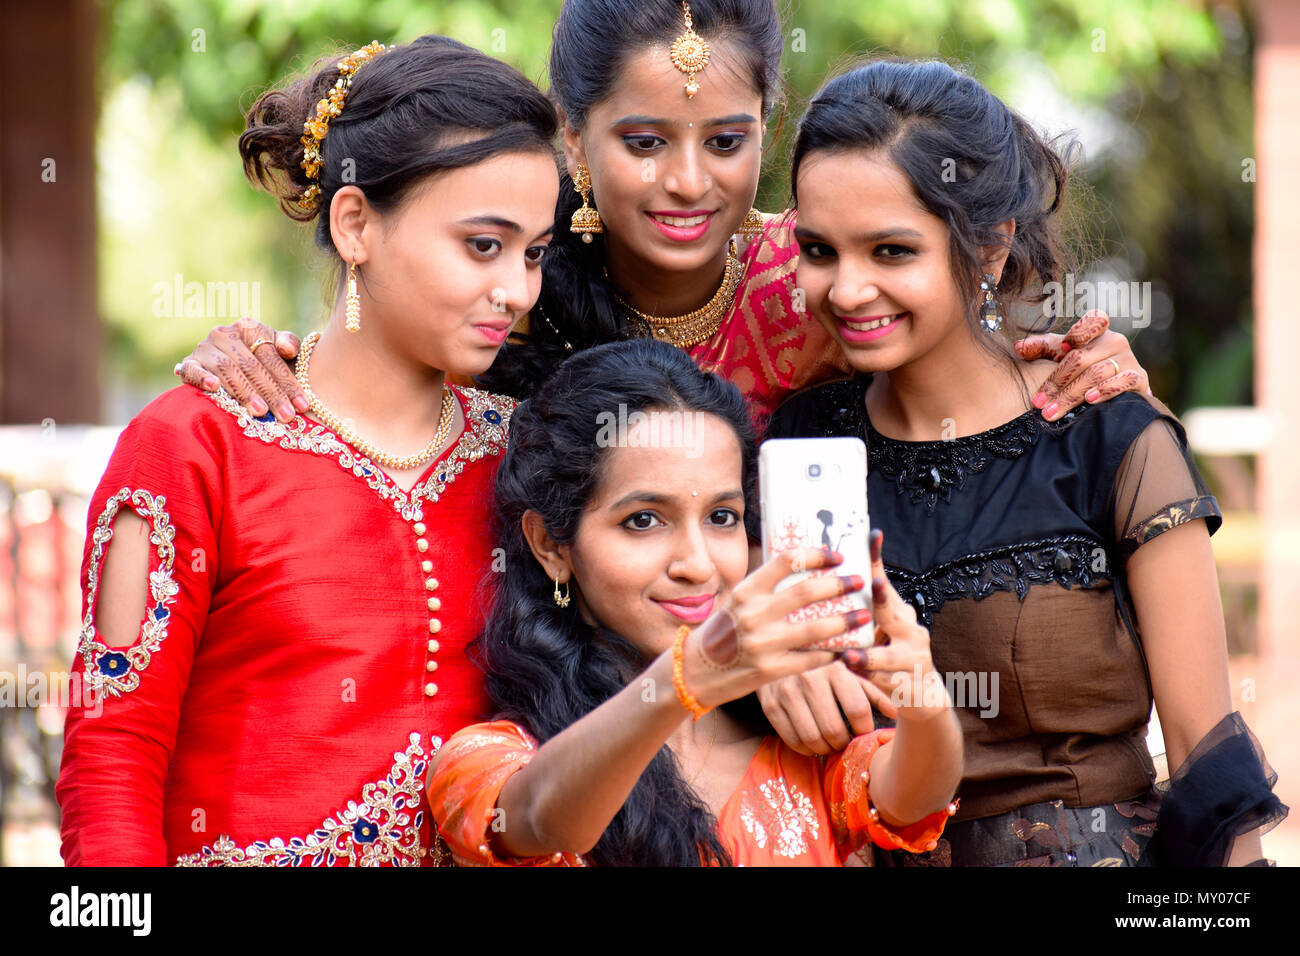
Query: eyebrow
[[643, 120], [503, 223], [655, 498], [807, 235]]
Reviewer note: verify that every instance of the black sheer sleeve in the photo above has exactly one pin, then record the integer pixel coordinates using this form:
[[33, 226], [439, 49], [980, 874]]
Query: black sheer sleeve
[[1158, 487], [1223, 790]]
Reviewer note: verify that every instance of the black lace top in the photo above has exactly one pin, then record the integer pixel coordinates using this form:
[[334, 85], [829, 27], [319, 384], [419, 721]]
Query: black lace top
[[1011, 546]]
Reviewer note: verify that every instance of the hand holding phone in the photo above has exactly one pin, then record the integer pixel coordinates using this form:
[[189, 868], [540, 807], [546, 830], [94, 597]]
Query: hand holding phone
[[813, 494]]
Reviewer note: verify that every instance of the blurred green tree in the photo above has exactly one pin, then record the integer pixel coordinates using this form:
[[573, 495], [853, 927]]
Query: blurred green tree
[[1160, 91]]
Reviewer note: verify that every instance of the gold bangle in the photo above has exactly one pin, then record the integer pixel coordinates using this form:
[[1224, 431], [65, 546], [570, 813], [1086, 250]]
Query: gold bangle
[[679, 681]]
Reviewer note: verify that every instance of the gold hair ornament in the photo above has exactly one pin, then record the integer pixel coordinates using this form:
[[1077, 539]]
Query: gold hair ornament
[[690, 53], [314, 130]]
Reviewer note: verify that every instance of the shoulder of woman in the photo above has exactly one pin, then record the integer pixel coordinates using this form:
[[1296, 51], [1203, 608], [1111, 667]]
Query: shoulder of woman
[[487, 414], [824, 411], [183, 415], [1113, 425], [777, 234]]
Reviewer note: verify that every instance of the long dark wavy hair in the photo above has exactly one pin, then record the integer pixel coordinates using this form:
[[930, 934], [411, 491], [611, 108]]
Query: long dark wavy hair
[[591, 41], [545, 667], [971, 161]]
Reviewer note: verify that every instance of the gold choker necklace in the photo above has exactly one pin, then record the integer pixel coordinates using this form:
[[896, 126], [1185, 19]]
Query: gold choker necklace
[[690, 329], [337, 425]]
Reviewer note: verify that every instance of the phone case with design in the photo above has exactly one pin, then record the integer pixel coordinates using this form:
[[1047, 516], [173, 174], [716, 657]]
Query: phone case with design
[[813, 493]]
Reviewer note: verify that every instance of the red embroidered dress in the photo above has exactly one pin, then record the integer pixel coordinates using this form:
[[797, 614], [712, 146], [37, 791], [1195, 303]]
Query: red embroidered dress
[[302, 653]]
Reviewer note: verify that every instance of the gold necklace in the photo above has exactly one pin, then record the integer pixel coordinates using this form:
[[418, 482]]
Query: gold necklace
[[683, 331], [707, 751], [345, 432]]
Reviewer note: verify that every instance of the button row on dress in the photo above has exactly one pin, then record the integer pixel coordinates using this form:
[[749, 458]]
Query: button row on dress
[[430, 584]]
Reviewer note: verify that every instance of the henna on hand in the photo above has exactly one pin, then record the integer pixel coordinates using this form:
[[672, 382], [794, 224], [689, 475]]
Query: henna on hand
[[719, 641]]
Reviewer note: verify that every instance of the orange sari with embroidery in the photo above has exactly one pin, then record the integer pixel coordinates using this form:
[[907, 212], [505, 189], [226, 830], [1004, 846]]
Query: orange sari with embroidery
[[789, 810]]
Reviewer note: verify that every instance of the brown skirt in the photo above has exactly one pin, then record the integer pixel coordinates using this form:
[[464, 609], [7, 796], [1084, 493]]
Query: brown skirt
[[1044, 834]]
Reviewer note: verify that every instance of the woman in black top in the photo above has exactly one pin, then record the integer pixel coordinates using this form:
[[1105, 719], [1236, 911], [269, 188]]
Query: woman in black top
[[1064, 568]]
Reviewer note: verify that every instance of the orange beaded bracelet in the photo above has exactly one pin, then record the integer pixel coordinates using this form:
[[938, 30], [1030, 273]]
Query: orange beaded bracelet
[[679, 680]]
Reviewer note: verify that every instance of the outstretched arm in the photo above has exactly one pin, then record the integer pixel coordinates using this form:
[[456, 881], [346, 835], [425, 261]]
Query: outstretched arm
[[565, 797]]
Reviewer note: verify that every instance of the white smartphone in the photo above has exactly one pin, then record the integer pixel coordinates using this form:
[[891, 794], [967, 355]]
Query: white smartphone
[[813, 493]]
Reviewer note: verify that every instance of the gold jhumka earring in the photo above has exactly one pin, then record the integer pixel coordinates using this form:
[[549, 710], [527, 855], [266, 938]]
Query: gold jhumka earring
[[585, 220]]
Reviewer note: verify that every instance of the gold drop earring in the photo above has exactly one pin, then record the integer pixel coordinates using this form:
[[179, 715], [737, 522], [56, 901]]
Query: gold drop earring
[[753, 224], [561, 599], [353, 313], [586, 220]]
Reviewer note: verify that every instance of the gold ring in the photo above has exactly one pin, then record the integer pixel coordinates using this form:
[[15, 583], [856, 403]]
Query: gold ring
[[265, 341], [1112, 361]]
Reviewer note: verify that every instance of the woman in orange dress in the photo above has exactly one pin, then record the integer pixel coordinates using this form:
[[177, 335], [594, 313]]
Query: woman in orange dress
[[622, 614]]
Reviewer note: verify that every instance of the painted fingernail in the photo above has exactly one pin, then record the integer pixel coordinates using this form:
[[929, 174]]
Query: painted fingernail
[[854, 658], [1051, 410], [857, 618], [877, 543], [1040, 400], [211, 384], [834, 557], [878, 590], [257, 407], [300, 402], [852, 582], [284, 411], [1065, 347], [1092, 395]]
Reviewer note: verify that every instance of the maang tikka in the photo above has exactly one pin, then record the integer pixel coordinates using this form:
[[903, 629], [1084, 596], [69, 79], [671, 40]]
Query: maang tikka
[[690, 53]]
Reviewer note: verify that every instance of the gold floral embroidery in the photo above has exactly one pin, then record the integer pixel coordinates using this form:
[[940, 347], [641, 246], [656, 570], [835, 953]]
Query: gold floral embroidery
[[380, 830], [780, 812], [112, 670], [487, 422], [1171, 516]]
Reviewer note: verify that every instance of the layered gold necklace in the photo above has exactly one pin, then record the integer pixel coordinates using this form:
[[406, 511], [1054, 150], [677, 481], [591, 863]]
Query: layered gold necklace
[[683, 331], [345, 432]]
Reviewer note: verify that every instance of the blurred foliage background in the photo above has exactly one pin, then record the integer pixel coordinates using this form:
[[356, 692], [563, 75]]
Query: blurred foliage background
[[1158, 93]]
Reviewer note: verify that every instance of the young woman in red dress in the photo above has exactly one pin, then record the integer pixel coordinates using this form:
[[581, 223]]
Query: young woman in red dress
[[673, 178], [276, 613]]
